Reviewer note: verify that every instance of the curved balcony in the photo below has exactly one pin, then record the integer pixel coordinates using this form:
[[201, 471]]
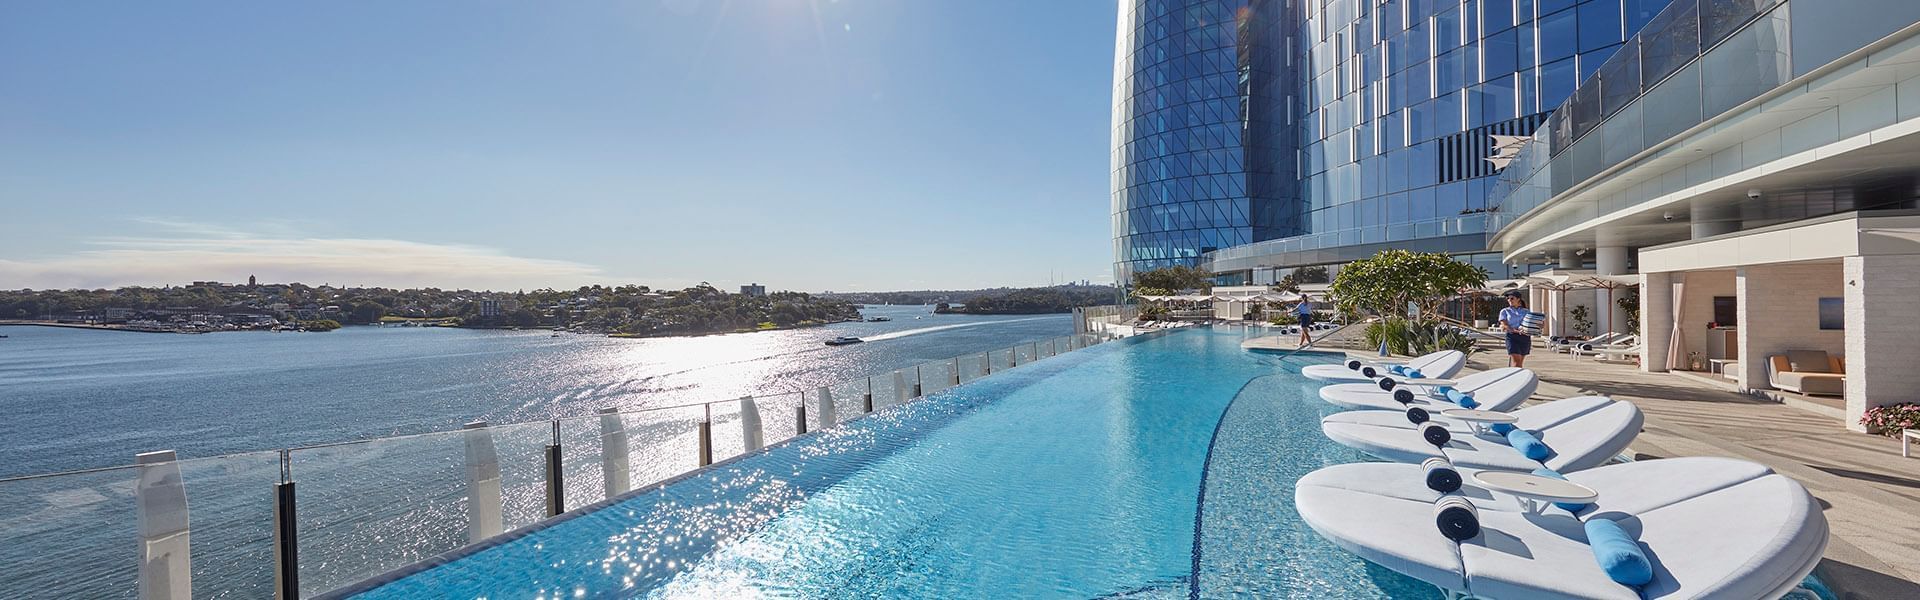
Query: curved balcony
[[1698, 79]]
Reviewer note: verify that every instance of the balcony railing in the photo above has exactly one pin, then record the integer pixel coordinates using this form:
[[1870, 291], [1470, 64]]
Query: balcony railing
[[234, 527], [1693, 62]]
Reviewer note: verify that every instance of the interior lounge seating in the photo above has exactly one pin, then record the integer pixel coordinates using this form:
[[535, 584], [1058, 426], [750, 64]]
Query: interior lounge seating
[[1811, 372]]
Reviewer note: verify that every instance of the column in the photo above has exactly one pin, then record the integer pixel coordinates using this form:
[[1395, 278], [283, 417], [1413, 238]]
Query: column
[[1883, 336], [1610, 260], [1537, 302], [1656, 321]]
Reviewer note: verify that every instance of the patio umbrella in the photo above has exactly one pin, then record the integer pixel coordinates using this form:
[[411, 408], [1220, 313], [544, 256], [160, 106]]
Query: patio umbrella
[[1609, 283]]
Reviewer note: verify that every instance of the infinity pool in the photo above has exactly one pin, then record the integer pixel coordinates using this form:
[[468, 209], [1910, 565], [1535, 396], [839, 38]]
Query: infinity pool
[[1151, 468]]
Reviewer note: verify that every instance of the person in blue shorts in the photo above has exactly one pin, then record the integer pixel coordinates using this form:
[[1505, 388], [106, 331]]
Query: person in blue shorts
[[1512, 321]]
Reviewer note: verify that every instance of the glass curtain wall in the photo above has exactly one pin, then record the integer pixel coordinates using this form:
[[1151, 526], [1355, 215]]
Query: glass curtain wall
[[1202, 148]]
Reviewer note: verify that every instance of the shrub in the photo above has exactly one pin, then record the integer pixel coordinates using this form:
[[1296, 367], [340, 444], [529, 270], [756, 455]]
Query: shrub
[[1889, 420], [1410, 338], [1284, 318]]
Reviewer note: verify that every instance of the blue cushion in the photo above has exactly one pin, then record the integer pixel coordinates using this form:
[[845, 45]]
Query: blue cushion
[[1397, 370], [1463, 399], [1567, 506], [1412, 373], [1618, 554], [1442, 390], [1528, 445], [1503, 428]]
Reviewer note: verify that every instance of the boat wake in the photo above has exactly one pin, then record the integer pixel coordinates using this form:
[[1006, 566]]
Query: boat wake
[[913, 332]]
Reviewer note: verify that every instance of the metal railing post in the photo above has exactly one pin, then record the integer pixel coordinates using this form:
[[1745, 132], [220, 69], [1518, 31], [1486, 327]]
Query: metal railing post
[[614, 468], [986, 364], [866, 401], [484, 518], [286, 544], [556, 476], [166, 568], [706, 436], [916, 382], [956, 370], [800, 416]]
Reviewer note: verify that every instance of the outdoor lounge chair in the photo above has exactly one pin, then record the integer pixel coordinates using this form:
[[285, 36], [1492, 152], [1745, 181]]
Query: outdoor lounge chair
[[1612, 354], [1808, 372], [1627, 344], [1566, 345], [1711, 528], [1580, 432], [1439, 365], [1501, 389]]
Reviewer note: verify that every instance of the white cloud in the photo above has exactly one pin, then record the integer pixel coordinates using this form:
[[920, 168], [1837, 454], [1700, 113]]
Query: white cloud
[[193, 252]]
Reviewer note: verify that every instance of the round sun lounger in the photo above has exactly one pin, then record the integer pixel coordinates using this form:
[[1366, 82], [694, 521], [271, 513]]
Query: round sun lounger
[[1501, 390], [1583, 432], [1713, 528], [1438, 365]]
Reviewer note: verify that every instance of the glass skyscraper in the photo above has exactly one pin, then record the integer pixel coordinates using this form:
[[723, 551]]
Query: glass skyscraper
[[1349, 125]]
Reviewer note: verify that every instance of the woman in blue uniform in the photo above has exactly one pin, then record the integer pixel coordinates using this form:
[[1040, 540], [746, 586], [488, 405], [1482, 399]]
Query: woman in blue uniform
[[1512, 320]]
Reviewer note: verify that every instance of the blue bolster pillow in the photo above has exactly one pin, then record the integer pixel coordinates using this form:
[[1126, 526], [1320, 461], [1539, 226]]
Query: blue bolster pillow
[[1528, 444], [1618, 554], [1441, 476], [1461, 398], [1442, 390], [1503, 428], [1567, 506], [1412, 373], [1397, 370]]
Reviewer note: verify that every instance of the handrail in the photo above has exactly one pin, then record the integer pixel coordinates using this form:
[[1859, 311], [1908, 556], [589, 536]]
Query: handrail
[[1311, 341], [1467, 326]]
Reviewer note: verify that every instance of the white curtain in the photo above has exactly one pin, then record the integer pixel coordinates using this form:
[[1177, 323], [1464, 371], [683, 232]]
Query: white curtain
[[1677, 343]]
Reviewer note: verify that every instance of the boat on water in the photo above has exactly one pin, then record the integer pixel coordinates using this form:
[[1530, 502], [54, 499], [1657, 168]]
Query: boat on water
[[844, 340], [878, 319]]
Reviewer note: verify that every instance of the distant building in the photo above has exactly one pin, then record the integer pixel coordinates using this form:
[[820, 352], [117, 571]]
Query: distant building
[[251, 282], [753, 289]]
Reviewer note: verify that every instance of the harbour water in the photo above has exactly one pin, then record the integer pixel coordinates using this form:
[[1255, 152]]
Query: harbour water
[[82, 399]]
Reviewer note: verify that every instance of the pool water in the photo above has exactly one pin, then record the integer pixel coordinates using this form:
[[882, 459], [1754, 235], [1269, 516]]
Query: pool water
[[1079, 476]]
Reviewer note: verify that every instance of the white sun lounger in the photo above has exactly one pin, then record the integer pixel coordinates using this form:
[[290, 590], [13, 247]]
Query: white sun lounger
[[1583, 432], [1713, 528], [1501, 390], [1439, 365], [1565, 345]]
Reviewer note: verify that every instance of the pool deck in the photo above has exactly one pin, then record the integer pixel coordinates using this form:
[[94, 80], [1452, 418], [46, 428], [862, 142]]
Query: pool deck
[[1871, 494]]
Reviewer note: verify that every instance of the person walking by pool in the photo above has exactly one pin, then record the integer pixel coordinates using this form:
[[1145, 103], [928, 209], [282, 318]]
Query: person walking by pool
[[1513, 321], [1304, 313]]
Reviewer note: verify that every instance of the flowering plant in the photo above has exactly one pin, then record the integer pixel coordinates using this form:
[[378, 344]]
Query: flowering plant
[[1890, 419]]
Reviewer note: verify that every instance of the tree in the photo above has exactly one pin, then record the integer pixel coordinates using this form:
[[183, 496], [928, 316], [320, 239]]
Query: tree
[[1177, 277], [1391, 280], [367, 312]]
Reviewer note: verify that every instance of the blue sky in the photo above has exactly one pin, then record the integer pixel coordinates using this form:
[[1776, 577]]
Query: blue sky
[[857, 144]]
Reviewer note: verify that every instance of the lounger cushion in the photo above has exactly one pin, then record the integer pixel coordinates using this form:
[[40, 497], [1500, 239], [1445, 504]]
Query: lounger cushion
[[1584, 432], [1395, 533], [1811, 383], [1715, 528], [1440, 365], [1499, 389]]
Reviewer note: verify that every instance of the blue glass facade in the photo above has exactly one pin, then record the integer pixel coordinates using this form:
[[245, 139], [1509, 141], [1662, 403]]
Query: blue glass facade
[[1202, 145], [1396, 102]]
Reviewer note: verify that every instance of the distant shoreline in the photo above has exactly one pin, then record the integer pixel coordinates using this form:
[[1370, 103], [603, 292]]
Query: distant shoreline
[[23, 323]]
